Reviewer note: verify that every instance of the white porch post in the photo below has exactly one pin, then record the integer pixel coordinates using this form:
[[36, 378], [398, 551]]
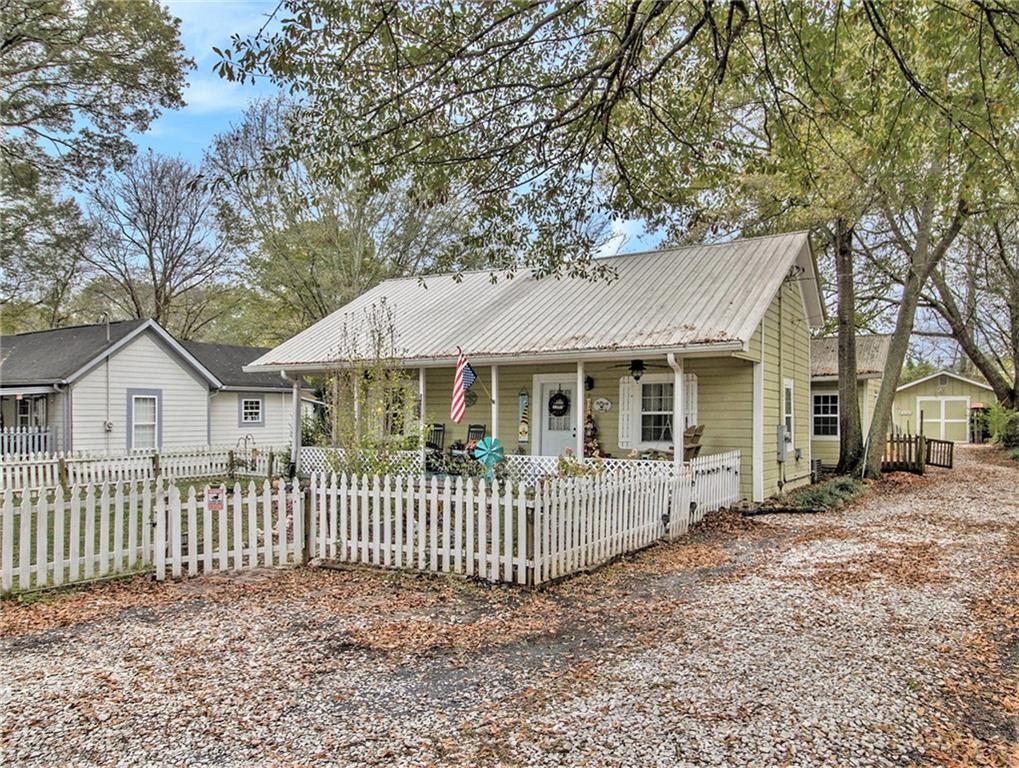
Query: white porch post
[[295, 452], [579, 408], [421, 412], [678, 407], [495, 402]]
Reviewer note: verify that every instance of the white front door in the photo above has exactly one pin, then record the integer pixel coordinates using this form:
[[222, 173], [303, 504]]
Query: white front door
[[557, 432]]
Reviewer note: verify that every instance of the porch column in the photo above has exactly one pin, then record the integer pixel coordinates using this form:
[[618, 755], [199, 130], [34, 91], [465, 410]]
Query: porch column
[[295, 451], [678, 407], [421, 412], [578, 405], [495, 402]]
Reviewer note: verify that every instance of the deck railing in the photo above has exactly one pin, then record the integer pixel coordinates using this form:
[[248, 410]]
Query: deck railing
[[18, 441]]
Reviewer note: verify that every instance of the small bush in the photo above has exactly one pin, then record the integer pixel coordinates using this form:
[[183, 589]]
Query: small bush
[[830, 494], [1014, 454], [1009, 436]]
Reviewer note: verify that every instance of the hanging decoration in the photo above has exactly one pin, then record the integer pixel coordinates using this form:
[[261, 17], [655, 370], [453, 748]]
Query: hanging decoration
[[523, 428], [559, 404], [592, 445], [602, 404]]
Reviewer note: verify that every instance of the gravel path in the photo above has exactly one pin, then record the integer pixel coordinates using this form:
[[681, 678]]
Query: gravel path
[[884, 634]]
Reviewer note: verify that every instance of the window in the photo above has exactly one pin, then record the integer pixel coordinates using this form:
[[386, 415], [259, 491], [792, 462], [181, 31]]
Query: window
[[787, 410], [32, 412], [144, 424], [656, 413], [825, 414], [251, 410]]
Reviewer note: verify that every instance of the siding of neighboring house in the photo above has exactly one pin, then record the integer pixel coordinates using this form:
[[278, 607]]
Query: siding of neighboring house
[[145, 363], [904, 407], [277, 426], [785, 355]]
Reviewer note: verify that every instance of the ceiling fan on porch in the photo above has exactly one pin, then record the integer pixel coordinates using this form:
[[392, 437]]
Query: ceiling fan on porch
[[638, 368]]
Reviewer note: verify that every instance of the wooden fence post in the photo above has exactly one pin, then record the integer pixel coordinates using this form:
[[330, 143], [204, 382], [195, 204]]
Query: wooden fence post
[[62, 473]]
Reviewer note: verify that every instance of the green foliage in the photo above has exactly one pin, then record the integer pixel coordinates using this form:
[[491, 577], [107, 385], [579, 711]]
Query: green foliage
[[830, 494], [571, 466], [915, 369], [80, 76], [1014, 454], [1003, 425]]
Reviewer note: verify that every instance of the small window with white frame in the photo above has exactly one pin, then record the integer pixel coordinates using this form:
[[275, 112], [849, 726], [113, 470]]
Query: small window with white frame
[[144, 423], [252, 411], [788, 415], [825, 415], [656, 413]]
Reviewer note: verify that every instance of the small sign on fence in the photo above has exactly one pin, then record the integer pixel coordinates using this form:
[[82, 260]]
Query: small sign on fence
[[214, 500]]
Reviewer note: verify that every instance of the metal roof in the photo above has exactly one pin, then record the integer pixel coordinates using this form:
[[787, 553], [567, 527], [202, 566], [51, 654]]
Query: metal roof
[[672, 299], [871, 355]]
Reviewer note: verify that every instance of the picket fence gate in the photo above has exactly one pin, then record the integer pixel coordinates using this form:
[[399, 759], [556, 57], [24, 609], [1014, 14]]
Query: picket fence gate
[[93, 531], [501, 532]]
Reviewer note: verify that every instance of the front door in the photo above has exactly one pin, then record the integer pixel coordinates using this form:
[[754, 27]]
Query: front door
[[558, 428]]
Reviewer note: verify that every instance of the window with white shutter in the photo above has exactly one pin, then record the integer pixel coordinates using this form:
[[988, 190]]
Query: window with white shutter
[[645, 410]]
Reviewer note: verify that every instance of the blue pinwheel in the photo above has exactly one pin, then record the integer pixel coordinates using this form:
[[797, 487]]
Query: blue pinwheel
[[489, 452]]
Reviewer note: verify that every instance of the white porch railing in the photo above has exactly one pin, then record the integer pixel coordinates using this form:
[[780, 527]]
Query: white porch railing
[[17, 441]]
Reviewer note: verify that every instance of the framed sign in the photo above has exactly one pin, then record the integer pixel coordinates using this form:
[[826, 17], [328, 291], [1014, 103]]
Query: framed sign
[[603, 404], [558, 405]]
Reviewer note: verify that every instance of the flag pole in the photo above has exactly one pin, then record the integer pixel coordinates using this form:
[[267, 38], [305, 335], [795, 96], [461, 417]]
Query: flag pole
[[479, 381]]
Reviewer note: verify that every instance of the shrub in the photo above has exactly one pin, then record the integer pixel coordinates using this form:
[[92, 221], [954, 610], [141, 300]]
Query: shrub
[[1009, 435], [1014, 454], [830, 494]]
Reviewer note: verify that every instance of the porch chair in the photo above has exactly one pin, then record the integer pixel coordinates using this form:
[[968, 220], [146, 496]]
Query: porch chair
[[435, 437], [692, 442], [475, 432]]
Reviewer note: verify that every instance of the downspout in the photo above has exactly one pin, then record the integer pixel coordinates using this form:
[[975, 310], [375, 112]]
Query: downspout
[[781, 377]]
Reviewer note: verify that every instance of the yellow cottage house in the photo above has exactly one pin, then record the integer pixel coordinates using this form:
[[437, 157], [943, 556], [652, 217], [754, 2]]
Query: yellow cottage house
[[941, 405], [708, 336], [871, 360]]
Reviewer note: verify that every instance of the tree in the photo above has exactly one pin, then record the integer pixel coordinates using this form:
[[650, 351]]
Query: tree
[[976, 296], [156, 242], [79, 77], [313, 245], [40, 263]]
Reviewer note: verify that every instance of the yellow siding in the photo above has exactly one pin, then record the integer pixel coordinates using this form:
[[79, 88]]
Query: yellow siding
[[904, 413], [786, 355], [827, 449], [724, 403]]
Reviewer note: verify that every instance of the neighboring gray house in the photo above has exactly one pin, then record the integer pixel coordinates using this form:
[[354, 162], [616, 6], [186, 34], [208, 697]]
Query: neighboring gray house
[[129, 386]]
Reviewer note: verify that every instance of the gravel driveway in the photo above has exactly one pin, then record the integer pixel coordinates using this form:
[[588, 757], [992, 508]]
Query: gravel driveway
[[884, 634]]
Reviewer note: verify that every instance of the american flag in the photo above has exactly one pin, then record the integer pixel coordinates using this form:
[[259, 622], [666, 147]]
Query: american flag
[[462, 381]]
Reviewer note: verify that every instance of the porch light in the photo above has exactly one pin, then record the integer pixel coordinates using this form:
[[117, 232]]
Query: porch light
[[636, 369], [589, 383]]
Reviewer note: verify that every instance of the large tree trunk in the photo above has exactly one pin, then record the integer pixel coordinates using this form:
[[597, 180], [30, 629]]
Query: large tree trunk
[[850, 432], [923, 260], [962, 332]]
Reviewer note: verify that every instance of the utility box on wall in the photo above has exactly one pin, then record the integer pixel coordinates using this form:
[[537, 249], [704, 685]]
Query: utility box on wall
[[782, 441]]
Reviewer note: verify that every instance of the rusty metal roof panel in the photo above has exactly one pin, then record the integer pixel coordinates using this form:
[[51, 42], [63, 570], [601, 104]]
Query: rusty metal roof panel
[[669, 299], [871, 355]]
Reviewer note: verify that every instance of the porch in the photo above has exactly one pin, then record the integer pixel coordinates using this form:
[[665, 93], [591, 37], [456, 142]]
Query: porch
[[30, 420]]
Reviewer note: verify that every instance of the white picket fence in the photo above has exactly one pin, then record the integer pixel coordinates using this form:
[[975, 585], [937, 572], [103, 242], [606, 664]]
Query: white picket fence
[[715, 481], [502, 532], [22, 440], [49, 470], [49, 539]]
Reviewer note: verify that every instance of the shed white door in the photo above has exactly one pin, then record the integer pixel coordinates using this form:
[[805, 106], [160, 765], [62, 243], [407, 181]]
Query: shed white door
[[558, 432], [945, 418]]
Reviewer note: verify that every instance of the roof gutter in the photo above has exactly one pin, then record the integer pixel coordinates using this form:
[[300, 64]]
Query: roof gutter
[[712, 349]]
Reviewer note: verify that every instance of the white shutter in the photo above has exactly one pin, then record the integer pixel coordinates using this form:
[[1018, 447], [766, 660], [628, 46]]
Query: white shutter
[[690, 395], [626, 406]]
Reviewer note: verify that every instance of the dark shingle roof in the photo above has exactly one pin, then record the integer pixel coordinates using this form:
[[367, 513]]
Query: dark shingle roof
[[48, 357], [871, 355], [225, 361]]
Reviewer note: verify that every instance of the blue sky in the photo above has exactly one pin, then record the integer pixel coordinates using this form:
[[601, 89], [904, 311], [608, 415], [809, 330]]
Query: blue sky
[[213, 103]]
